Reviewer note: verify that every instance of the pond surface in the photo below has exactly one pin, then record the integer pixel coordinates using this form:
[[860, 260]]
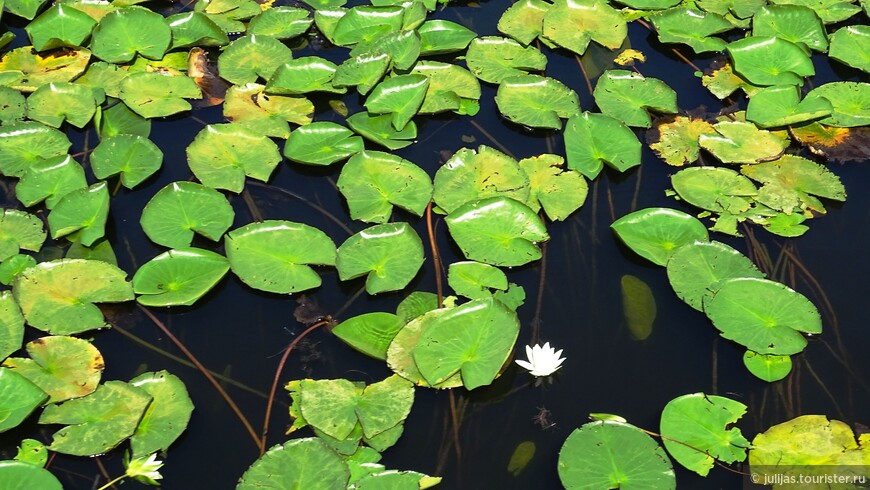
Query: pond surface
[[574, 301]]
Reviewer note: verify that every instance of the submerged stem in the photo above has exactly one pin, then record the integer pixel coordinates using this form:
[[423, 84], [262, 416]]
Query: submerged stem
[[436, 258]]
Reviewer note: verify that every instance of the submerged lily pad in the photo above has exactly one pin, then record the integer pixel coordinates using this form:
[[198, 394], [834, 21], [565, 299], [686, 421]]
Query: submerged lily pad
[[389, 255], [536, 101], [469, 175], [638, 306], [696, 431], [696, 270], [612, 454], [497, 231], [373, 182], [276, 256], [222, 155], [64, 367], [178, 277], [166, 416], [656, 233], [181, 209], [627, 96], [592, 140], [299, 463]]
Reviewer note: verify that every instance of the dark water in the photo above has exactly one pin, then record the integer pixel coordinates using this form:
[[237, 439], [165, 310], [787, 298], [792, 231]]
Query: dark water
[[574, 301]]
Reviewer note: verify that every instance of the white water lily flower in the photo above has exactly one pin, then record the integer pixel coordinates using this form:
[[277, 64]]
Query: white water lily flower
[[145, 470], [543, 361]]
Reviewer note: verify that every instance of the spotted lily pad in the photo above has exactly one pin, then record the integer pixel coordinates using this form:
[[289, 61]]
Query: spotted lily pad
[[742, 142], [19, 398], [251, 108], [293, 466], [678, 140], [64, 367], [36, 69], [469, 175], [850, 101], [783, 448], [560, 192]]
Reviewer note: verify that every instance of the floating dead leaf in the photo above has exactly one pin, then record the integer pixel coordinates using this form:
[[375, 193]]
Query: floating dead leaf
[[836, 144]]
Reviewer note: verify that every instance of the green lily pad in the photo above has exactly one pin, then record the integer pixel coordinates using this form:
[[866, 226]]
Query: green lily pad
[[181, 208], [737, 11], [60, 25], [373, 182], [364, 23], [100, 250], [793, 179], [794, 23], [389, 255], [742, 142], [627, 96], [808, 442], [304, 75], [24, 8], [134, 157], [493, 59], [249, 107], [524, 20], [300, 463], [765, 316], [251, 57], [11, 320], [403, 47], [781, 106], [474, 340], [229, 14], [416, 304], [10, 268], [695, 430], [572, 24], [474, 280], [275, 256], [767, 367], [126, 32], [612, 454], [849, 45], [18, 474], [560, 192], [12, 106], [439, 36], [362, 71], [153, 94], [401, 96], [717, 189], [165, 418], [18, 397], [656, 233], [370, 333], [400, 356], [64, 367], [84, 211], [379, 129], [696, 270], [19, 230], [497, 231], [470, 175], [766, 60], [37, 69], [222, 155], [105, 77], [851, 102], [119, 119], [195, 29], [33, 452], [692, 27], [98, 422], [27, 143], [178, 277], [592, 140], [50, 180], [451, 88], [322, 143], [830, 11], [536, 101], [280, 22]]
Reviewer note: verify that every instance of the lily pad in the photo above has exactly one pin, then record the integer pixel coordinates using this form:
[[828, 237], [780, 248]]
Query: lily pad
[[678, 140], [19, 230], [251, 57], [715, 189], [612, 454], [105, 77], [222, 155], [573, 24], [536, 101], [795, 179], [134, 157], [153, 94], [119, 119], [492, 59], [830, 11], [742, 142], [416, 304], [98, 422], [474, 340], [638, 306], [276, 256], [195, 29], [60, 25], [849, 45], [850, 100], [178, 277], [765, 316], [592, 140], [24, 8], [82, 211], [474, 280], [249, 107], [765, 60], [438, 36], [50, 180], [321, 143], [379, 129], [560, 192], [656, 233], [767, 367], [389, 255], [722, 82], [11, 321], [401, 96], [370, 333], [469, 175], [373, 182], [12, 106], [781, 106], [64, 367], [497, 231], [27, 143], [808, 442], [696, 431], [18, 474], [280, 22], [18, 397], [300, 463], [126, 32], [451, 88], [362, 71], [303, 75], [366, 22], [692, 27], [794, 23], [403, 48], [165, 418], [181, 209], [100, 250], [627, 96], [37, 69], [400, 356], [524, 20], [696, 270]]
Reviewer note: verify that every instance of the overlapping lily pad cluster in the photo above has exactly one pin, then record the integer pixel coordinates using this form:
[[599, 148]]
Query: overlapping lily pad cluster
[[117, 65]]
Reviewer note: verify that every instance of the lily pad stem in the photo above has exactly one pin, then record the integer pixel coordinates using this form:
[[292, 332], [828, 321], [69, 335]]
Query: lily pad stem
[[436, 257]]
